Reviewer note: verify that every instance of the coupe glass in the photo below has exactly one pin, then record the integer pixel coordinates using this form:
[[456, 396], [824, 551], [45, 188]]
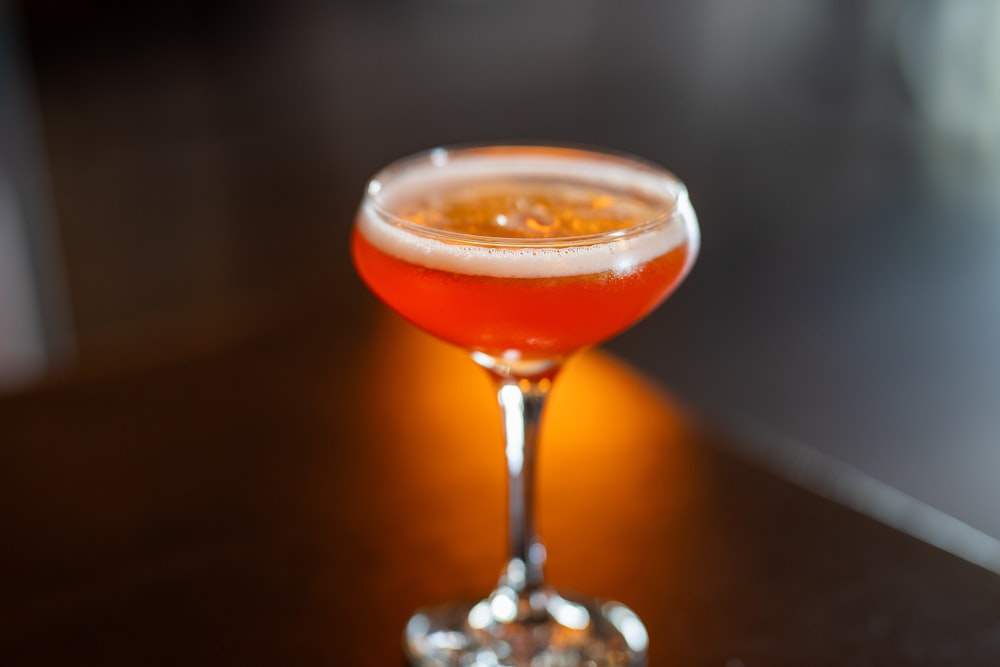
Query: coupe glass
[[523, 255]]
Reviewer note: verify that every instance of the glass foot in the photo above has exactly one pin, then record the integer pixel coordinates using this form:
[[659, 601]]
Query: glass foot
[[549, 630]]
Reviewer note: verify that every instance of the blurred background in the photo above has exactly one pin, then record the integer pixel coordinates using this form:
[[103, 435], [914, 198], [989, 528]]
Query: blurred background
[[176, 177]]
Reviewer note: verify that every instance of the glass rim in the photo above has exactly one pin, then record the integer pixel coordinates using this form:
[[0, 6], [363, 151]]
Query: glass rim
[[438, 156]]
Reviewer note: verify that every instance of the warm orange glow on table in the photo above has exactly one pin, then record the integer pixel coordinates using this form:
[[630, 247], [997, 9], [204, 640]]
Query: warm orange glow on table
[[608, 470]]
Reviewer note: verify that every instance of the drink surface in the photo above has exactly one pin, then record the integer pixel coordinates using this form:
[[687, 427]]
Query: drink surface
[[524, 258], [512, 209]]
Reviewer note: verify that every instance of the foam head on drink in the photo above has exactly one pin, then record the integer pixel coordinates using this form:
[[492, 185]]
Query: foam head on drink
[[524, 253]]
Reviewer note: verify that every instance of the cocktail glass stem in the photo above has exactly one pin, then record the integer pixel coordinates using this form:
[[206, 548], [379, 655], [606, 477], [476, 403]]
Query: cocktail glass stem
[[521, 402], [524, 622]]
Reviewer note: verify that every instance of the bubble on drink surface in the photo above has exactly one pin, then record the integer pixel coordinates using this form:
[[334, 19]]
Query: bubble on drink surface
[[535, 216]]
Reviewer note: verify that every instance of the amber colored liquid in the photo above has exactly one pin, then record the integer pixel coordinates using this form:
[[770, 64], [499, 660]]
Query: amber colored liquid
[[536, 317]]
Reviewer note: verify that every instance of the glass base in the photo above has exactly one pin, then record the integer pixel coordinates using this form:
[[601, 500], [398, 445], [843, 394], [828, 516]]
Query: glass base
[[549, 630]]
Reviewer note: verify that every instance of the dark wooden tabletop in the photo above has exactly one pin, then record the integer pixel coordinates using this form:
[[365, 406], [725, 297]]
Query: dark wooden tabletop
[[222, 450], [291, 501]]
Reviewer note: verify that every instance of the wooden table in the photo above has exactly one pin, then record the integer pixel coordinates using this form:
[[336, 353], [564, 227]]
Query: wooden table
[[290, 500]]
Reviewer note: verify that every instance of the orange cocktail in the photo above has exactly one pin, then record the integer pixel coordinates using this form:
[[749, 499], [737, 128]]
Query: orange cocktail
[[523, 255], [525, 268]]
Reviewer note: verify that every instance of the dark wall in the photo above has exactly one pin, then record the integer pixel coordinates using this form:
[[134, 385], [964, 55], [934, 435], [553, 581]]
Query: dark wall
[[206, 159]]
